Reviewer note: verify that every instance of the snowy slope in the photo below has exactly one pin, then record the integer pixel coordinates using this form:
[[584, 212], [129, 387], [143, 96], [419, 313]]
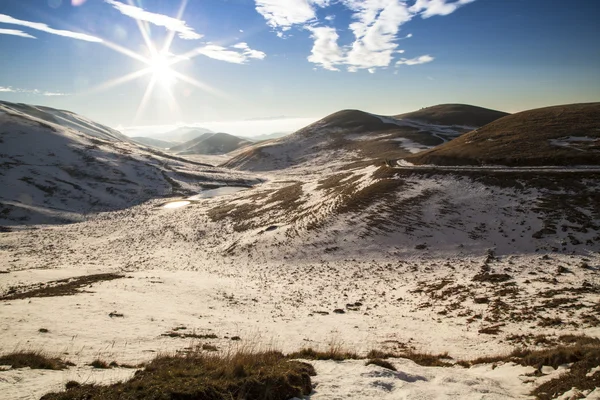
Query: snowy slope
[[58, 166]]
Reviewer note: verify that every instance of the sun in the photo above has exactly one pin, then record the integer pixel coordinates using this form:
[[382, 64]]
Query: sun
[[160, 67]]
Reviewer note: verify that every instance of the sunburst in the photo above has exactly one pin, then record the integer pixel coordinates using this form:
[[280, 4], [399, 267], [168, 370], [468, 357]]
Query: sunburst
[[159, 65]]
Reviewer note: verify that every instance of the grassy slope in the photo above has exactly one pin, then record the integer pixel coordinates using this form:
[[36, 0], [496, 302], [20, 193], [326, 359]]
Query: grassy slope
[[524, 139], [455, 114]]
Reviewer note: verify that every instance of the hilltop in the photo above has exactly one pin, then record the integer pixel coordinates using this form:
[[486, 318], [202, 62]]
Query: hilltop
[[358, 136], [558, 135]]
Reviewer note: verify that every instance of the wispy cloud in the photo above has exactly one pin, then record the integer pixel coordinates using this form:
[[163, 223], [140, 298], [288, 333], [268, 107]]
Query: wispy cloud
[[7, 19], [416, 61], [283, 14], [236, 54], [10, 89], [248, 52], [375, 25], [16, 32], [325, 51], [170, 23], [430, 8]]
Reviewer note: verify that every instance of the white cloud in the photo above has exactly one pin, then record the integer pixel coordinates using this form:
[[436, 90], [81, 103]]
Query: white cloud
[[283, 14], [416, 61], [16, 32], [375, 29], [248, 52], [325, 51], [237, 54], [375, 25], [29, 91], [170, 23], [430, 8], [7, 19]]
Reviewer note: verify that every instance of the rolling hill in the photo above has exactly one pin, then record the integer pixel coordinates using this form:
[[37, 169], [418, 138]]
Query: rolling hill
[[211, 144], [179, 135], [558, 135], [454, 115], [353, 135], [160, 144], [57, 166]]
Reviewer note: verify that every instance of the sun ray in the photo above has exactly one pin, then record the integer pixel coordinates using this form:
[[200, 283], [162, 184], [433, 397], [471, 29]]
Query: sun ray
[[118, 81], [201, 85], [171, 34], [126, 52], [144, 30], [145, 99]]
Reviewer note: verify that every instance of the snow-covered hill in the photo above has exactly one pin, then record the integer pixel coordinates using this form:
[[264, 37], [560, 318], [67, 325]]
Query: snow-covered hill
[[347, 136], [59, 166]]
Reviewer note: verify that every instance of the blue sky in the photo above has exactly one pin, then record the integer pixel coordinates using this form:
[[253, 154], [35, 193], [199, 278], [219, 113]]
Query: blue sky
[[238, 59]]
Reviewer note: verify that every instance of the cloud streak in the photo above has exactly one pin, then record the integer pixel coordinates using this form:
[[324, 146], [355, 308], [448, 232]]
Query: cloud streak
[[416, 61], [16, 32], [9, 89], [170, 23], [237, 54], [7, 19]]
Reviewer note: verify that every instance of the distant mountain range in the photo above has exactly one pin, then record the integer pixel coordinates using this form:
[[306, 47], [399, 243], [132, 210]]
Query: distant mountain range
[[211, 144], [179, 135]]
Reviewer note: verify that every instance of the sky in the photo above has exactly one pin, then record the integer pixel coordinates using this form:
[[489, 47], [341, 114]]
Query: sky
[[130, 63]]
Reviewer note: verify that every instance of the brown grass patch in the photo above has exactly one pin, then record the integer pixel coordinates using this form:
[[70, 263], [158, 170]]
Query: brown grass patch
[[201, 376], [62, 287], [34, 360]]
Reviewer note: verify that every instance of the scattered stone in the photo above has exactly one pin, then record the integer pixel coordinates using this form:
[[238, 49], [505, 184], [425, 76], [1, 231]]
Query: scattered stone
[[115, 314]]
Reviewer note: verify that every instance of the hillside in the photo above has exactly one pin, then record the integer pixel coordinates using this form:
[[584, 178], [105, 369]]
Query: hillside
[[559, 135], [353, 136], [160, 144], [57, 166], [454, 115], [211, 144]]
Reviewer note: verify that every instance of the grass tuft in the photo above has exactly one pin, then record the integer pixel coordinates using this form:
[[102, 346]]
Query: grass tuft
[[33, 360], [381, 363]]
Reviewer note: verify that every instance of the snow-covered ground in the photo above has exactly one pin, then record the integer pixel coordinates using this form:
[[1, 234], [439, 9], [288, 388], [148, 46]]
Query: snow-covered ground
[[272, 264], [469, 262]]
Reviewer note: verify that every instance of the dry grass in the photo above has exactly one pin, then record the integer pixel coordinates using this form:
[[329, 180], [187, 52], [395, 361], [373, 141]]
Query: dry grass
[[200, 376], [34, 360], [335, 352], [524, 139], [62, 287], [455, 114], [381, 363]]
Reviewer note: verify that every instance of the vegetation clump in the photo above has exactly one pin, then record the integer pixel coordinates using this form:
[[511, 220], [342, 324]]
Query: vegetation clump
[[33, 360], [200, 376]]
